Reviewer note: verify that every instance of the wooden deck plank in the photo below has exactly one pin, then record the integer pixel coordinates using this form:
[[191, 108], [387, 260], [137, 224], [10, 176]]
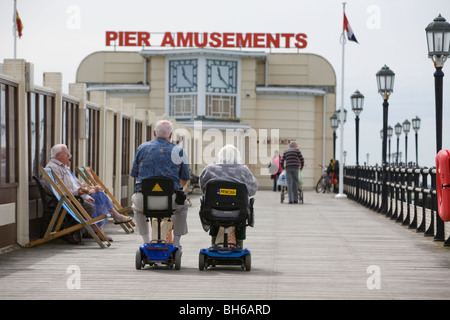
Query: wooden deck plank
[[317, 250]]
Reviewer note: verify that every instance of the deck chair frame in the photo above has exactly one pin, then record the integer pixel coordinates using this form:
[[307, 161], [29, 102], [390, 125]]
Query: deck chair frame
[[92, 178], [69, 204]]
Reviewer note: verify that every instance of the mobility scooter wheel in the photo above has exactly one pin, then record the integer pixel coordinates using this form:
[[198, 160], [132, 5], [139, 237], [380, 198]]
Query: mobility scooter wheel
[[177, 259], [201, 261], [248, 262], [139, 261]]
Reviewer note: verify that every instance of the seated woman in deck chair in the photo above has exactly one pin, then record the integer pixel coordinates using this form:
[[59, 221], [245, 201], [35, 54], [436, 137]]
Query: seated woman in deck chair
[[95, 202], [229, 167]]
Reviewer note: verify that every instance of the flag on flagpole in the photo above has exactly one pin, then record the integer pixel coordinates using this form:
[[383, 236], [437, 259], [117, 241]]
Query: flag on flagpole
[[348, 29], [18, 24]]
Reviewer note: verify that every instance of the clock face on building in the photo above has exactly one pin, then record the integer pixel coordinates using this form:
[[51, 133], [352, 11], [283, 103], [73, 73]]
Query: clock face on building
[[221, 76], [183, 75]]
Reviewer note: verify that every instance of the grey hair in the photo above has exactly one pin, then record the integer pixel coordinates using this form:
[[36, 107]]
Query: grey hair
[[229, 154], [293, 144], [163, 128], [57, 148]]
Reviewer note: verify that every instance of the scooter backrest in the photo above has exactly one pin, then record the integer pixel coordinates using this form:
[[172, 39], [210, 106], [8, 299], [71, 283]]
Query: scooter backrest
[[157, 193], [226, 195]]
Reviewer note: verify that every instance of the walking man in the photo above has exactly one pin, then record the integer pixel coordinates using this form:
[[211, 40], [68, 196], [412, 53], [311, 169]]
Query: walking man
[[292, 161]]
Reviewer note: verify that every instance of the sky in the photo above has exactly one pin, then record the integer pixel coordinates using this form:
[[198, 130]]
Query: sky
[[59, 34]]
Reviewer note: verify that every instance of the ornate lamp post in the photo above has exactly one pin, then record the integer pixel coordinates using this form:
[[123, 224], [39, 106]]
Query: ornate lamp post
[[385, 80], [334, 125], [416, 127], [406, 128], [357, 100], [438, 41]]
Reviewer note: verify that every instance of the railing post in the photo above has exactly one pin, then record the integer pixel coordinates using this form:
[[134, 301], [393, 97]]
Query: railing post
[[391, 192], [416, 176], [430, 230], [407, 219], [396, 193], [421, 227], [401, 187]]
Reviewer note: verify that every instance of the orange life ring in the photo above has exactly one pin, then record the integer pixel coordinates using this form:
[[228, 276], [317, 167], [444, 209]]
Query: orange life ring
[[443, 184]]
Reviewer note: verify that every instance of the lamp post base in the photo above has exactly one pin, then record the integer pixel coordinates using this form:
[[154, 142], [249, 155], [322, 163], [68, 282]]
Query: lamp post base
[[340, 196]]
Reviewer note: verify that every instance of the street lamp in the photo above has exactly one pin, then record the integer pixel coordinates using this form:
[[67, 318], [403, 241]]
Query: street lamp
[[398, 132], [357, 100], [438, 41], [385, 80], [406, 128], [334, 125], [416, 126]]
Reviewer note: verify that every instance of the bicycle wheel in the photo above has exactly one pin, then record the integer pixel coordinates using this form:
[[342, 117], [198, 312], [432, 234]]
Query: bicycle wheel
[[320, 187]]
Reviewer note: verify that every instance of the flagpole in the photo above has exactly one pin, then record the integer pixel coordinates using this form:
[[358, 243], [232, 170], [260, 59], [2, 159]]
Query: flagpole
[[341, 194], [15, 29]]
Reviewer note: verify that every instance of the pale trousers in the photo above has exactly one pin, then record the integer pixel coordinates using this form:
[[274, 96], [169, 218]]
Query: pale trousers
[[179, 216]]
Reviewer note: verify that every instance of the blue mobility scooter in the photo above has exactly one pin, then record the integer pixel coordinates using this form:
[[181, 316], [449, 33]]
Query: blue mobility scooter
[[157, 193], [225, 204]]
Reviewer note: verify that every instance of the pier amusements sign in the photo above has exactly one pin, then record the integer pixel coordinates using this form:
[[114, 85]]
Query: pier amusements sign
[[205, 39]]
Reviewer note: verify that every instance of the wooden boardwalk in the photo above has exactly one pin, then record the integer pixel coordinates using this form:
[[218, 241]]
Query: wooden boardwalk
[[323, 249]]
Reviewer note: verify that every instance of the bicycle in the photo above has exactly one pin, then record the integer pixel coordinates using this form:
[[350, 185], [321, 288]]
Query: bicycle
[[324, 183]]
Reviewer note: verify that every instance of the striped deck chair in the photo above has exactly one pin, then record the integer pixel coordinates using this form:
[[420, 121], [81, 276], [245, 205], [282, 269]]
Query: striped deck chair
[[67, 203], [89, 176]]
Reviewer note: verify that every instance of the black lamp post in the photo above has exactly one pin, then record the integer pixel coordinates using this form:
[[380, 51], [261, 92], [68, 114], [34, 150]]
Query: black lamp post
[[416, 127], [389, 133], [357, 100], [398, 132], [334, 125], [438, 41], [381, 136], [406, 128], [385, 80]]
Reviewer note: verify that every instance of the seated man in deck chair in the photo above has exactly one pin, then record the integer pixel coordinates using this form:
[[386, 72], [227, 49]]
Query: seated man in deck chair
[[94, 202], [229, 167]]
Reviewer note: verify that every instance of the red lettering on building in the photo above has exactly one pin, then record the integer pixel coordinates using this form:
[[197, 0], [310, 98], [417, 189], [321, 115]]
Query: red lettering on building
[[213, 39], [128, 39], [167, 40], [301, 39]]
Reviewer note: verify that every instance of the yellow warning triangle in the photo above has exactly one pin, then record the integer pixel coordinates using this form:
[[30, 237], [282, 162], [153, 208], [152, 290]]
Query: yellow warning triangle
[[157, 188]]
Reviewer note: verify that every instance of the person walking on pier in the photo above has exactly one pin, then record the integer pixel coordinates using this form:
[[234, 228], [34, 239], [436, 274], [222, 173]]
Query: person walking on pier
[[292, 161]]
